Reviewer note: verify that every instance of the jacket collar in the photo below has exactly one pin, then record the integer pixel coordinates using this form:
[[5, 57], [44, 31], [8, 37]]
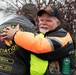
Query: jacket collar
[[30, 18], [56, 29]]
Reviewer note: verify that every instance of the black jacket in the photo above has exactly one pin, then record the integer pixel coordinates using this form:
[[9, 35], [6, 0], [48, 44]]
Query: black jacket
[[14, 60]]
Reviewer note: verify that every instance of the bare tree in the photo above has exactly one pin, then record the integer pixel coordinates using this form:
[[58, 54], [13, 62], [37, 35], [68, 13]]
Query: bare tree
[[66, 7]]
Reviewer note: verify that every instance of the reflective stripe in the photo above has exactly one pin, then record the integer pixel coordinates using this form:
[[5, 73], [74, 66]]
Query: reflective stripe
[[51, 44], [61, 40], [55, 39]]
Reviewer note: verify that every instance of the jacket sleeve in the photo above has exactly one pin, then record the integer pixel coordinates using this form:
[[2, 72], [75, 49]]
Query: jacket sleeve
[[29, 42], [40, 45]]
